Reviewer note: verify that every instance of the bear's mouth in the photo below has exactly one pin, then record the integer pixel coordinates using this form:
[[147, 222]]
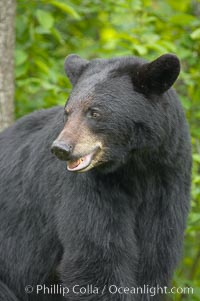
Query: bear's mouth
[[83, 163]]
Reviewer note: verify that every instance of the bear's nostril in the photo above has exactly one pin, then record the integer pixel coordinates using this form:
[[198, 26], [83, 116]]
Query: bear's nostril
[[61, 150]]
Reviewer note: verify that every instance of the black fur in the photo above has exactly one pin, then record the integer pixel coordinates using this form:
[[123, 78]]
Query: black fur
[[6, 293], [120, 223]]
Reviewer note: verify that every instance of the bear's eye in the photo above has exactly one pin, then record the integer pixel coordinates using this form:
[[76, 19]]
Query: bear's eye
[[93, 114]]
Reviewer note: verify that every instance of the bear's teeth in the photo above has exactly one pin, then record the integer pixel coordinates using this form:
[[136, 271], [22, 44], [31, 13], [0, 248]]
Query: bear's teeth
[[82, 163], [73, 164]]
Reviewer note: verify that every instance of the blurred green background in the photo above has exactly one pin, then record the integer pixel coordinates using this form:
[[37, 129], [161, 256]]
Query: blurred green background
[[47, 31]]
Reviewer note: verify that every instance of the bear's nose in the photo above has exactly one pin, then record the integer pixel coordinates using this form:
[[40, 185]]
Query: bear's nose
[[61, 150]]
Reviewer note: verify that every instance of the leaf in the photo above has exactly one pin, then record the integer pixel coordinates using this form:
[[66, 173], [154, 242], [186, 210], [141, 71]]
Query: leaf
[[28, 81], [57, 35], [21, 70], [186, 102], [194, 217], [195, 35], [180, 5], [20, 57], [182, 19], [141, 50], [45, 19], [65, 8], [108, 34], [196, 157], [42, 66]]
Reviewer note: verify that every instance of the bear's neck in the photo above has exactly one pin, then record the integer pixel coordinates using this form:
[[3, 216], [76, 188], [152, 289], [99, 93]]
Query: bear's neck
[[126, 184], [105, 224]]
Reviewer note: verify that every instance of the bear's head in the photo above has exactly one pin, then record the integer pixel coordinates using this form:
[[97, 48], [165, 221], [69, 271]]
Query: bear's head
[[117, 106]]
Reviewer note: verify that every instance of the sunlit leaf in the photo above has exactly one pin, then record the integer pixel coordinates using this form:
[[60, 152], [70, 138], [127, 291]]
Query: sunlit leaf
[[65, 8], [45, 19], [195, 35]]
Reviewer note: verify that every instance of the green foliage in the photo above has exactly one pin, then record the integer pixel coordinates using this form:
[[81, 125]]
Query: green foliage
[[47, 31]]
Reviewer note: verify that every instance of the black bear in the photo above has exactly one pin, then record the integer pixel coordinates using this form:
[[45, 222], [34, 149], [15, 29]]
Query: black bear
[[108, 224]]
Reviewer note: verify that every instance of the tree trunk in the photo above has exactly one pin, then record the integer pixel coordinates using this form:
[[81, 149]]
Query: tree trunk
[[7, 41]]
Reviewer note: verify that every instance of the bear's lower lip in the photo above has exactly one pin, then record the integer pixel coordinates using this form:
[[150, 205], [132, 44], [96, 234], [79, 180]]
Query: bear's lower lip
[[81, 163]]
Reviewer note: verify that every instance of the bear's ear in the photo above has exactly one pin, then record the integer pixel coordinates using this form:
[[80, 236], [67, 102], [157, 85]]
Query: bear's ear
[[74, 66], [157, 76]]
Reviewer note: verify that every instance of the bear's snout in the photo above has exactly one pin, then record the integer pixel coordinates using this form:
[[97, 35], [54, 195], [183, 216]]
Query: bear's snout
[[61, 150]]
